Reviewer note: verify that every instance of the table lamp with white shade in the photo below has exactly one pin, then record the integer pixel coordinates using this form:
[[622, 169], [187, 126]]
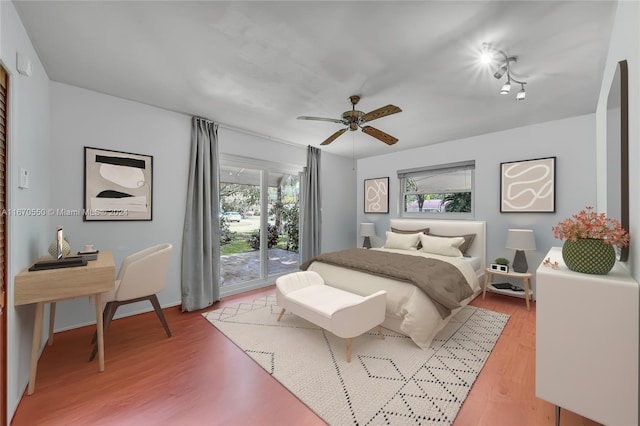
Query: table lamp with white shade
[[367, 230], [520, 240]]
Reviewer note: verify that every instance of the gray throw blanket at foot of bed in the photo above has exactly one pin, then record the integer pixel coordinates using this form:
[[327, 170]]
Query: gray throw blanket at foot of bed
[[441, 281]]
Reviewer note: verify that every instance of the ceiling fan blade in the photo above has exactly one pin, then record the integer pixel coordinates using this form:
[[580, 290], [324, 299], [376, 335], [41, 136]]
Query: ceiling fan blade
[[333, 137], [379, 134], [333, 120], [381, 112]]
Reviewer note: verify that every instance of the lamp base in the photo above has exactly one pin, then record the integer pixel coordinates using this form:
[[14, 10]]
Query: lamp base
[[367, 243], [520, 262]]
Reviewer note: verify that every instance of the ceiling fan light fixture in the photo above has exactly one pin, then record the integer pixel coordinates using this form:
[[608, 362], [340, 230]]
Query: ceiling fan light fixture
[[354, 120]]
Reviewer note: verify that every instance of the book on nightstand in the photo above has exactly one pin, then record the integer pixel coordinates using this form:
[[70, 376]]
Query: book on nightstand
[[507, 286]]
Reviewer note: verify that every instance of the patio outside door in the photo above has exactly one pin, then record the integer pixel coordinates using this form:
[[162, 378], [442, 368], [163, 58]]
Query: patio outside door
[[258, 225]]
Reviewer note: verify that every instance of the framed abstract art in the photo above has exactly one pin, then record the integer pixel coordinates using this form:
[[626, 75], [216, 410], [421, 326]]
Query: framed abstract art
[[117, 185], [528, 186], [376, 195]]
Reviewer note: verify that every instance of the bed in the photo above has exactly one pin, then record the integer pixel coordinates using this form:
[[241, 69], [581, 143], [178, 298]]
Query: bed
[[409, 310]]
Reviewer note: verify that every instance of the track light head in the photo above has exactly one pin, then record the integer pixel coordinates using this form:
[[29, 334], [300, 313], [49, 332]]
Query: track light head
[[500, 72], [506, 88], [521, 94]]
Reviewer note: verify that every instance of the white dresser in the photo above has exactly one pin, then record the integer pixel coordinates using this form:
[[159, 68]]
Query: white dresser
[[587, 337]]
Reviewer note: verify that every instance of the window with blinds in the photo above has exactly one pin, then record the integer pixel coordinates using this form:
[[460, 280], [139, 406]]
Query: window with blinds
[[445, 189]]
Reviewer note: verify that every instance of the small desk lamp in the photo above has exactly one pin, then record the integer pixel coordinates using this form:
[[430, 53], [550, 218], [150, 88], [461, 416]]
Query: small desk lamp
[[367, 230], [520, 240]]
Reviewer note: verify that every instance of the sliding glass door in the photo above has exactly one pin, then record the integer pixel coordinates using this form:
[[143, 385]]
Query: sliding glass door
[[259, 219]]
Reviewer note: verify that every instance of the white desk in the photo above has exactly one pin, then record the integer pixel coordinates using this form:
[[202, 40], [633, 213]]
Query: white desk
[[52, 285]]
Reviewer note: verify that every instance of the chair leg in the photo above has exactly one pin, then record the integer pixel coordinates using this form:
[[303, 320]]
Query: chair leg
[[281, 314], [156, 305], [105, 322], [110, 310], [107, 316]]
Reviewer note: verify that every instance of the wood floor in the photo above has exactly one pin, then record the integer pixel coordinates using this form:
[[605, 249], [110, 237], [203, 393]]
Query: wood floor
[[198, 377]]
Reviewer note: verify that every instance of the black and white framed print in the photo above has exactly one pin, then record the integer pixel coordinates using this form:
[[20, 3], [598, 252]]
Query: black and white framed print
[[376, 195], [528, 186], [117, 185]]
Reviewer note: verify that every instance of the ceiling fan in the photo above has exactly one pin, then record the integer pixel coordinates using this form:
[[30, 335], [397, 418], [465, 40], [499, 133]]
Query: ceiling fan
[[356, 119]]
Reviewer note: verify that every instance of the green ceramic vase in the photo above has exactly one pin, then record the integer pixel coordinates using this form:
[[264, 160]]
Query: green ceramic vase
[[589, 256]]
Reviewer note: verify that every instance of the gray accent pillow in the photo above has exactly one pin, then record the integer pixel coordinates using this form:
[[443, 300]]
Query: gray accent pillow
[[468, 239]]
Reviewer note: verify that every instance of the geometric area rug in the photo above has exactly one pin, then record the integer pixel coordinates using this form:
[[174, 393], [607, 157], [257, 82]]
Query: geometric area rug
[[390, 381]]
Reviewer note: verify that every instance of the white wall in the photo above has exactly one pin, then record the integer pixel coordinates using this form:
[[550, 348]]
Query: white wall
[[338, 191], [624, 44], [571, 141], [29, 147], [82, 118]]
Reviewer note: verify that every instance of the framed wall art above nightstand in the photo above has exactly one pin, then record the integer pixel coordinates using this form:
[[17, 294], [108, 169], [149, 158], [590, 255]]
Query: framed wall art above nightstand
[[376, 195]]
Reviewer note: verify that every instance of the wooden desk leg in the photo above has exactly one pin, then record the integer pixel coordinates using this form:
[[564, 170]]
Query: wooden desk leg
[[100, 331], [35, 346], [52, 320], [526, 291], [486, 281]]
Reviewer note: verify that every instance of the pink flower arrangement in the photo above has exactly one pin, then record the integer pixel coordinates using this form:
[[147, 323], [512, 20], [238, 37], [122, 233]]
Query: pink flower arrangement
[[590, 224]]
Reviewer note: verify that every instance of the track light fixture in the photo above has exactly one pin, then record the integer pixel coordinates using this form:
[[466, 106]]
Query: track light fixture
[[504, 68]]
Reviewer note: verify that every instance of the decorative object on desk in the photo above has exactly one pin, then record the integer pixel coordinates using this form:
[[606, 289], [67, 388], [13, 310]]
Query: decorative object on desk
[[590, 240], [117, 185], [520, 240], [367, 230], [64, 246], [376, 195], [528, 186]]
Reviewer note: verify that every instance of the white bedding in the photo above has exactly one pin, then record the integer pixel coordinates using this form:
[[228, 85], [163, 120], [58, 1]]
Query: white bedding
[[476, 264], [409, 310]]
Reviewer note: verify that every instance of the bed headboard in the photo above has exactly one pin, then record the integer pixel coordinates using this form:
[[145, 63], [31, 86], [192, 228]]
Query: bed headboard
[[451, 228]]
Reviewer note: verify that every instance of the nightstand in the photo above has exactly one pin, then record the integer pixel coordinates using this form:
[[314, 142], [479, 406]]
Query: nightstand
[[489, 275]]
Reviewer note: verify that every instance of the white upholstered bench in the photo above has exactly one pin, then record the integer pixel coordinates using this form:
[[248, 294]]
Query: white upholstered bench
[[344, 314]]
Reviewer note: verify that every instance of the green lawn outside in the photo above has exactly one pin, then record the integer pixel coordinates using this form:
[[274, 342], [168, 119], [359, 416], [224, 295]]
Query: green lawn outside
[[239, 245]]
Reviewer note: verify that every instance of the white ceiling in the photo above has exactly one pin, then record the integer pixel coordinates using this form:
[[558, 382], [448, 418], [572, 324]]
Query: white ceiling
[[258, 65]]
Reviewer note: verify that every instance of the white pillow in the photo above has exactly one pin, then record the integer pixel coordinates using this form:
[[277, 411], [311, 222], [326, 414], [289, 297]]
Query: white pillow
[[441, 245], [402, 241]]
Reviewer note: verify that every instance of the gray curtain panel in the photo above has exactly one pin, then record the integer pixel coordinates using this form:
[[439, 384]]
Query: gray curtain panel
[[201, 235], [311, 213]]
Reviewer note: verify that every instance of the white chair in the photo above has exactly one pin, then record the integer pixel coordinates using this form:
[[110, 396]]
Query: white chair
[[142, 275]]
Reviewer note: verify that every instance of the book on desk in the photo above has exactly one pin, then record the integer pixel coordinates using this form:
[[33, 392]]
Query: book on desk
[[63, 262]]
